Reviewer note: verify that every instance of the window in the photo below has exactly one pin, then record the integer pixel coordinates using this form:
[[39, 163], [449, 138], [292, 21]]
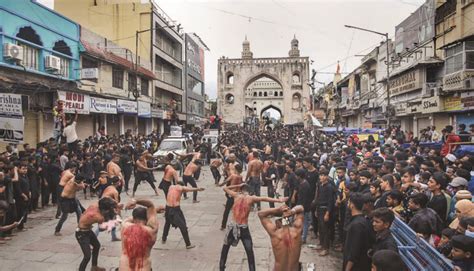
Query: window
[[64, 71], [230, 79], [168, 45], [296, 103], [296, 79], [117, 78], [30, 57], [88, 63], [168, 73], [454, 59], [469, 55], [229, 98], [144, 86], [132, 82], [194, 85]]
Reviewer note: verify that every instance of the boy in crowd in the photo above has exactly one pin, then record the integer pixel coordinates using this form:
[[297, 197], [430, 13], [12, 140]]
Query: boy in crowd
[[382, 219], [462, 252]]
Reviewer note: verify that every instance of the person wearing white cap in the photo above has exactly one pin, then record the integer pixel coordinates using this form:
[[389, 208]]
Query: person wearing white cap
[[451, 158], [458, 184]]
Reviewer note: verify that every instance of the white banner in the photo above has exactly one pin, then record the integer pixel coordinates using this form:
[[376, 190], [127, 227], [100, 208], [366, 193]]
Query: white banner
[[144, 109], [105, 106], [11, 129], [176, 131], [75, 101], [124, 106], [10, 104]]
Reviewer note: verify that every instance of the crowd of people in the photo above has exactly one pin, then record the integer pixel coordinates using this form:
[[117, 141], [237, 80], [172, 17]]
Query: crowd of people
[[338, 190]]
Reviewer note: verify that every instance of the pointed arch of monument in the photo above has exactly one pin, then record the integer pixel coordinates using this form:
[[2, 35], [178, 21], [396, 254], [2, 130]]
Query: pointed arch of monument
[[262, 75], [271, 106]]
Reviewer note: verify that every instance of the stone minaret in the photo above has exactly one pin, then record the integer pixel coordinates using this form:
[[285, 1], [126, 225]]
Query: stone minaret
[[246, 53], [294, 52]]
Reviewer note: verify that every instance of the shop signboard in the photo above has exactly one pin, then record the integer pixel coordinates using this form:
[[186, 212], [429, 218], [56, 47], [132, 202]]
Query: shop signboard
[[144, 109], [405, 82], [10, 104], [431, 105], [452, 103], [467, 100], [75, 102], [157, 113], [11, 129], [414, 107], [104, 106], [127, 107], [401, 110]]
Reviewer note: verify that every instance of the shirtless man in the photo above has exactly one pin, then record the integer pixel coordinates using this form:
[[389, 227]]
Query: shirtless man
[[144, 173], [214, 166], [111, 192], [233, 180], [285, 235], [139, 235], [102, 211], [113, 169], [173, 214], [188, 177], [229, 166], [238, 229], [67, 200], [170, 176], [253, 177]]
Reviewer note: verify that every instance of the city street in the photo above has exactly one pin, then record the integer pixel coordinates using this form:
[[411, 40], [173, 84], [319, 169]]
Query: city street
[[38, 249]]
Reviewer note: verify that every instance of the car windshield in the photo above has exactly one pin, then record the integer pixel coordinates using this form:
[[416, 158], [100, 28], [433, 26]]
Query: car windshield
[[213, 139], [168, 145]]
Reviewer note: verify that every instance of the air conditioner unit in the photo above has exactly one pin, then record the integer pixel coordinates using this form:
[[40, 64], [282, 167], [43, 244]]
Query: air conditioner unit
[[52, 63], [12, 51]]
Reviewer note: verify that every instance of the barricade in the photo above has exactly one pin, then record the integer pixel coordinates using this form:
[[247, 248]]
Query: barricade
[[417, 254]]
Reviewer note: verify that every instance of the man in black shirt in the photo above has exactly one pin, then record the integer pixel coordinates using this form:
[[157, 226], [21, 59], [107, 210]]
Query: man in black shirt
[[23, 194], [357, 237], [324, 203], [438, 200], [291, 182], [303, 198], [382, 219], [269, 178], [312, 177]]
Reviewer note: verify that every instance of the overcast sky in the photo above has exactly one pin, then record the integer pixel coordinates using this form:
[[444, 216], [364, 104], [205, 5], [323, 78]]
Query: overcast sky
[[271, 24]]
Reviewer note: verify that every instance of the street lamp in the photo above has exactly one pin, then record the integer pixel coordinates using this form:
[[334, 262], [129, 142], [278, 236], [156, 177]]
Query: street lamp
[[386, 62]]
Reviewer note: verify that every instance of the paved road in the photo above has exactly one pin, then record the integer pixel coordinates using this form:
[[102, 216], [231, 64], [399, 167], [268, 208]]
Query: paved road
[[38, 249]]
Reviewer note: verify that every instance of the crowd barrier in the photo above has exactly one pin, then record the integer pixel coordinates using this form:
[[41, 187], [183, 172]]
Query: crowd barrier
[[417, 254]]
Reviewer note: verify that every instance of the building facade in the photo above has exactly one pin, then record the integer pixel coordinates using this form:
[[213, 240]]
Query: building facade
[[247, 87], [40, 56], [148, 32], [195, 86], [431, 75]]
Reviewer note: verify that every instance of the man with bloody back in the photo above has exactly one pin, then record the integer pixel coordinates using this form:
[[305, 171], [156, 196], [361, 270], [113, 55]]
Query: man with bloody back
[[285, 235], [238, 229], [139, 235]]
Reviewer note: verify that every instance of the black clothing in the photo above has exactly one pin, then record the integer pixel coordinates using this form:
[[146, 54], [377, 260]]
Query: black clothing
[[246, 239], [357, 244], [228, 206], [382, 201], [143, 176], [165, 186], [439, 204], [384, 240], [303, 197], [190, 180], [175, 217], [313, 179], [215, 174], [364, 189], [326, 196], [86, 239], [323, 227]]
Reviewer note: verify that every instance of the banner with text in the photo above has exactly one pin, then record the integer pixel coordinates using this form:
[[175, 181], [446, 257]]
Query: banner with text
[[75, 101], [11, 129], [144, 109], [125, 106], [101, 105], [10, 104]]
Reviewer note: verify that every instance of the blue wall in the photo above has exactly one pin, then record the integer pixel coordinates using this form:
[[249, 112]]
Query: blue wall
[[49, 25]]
